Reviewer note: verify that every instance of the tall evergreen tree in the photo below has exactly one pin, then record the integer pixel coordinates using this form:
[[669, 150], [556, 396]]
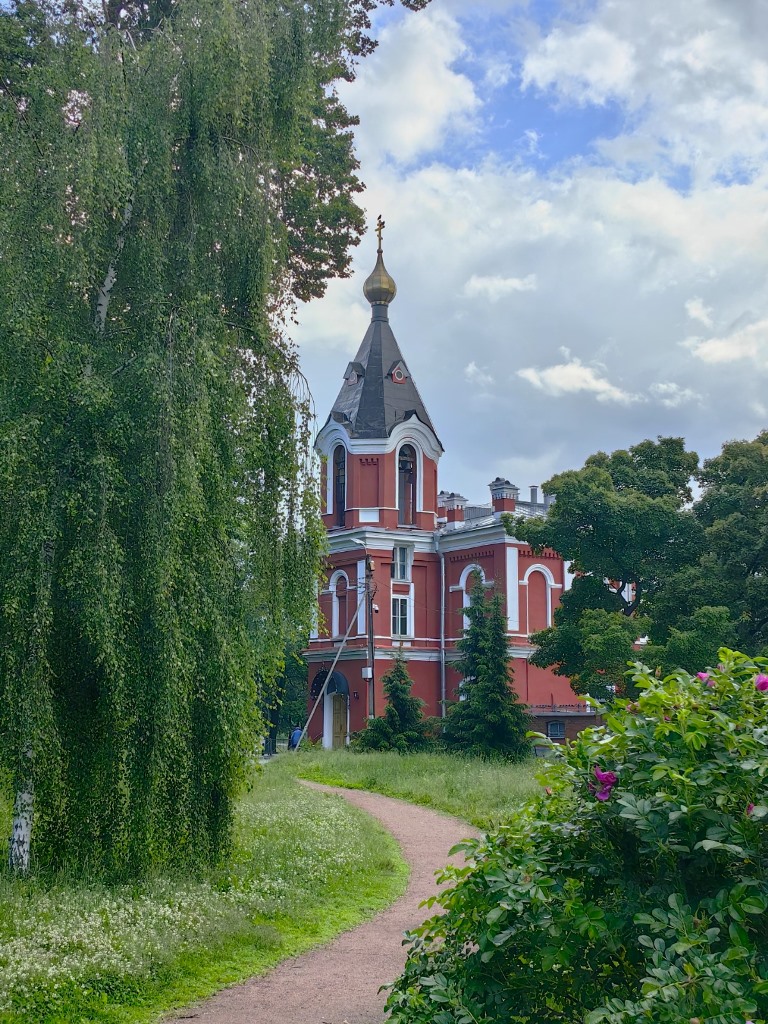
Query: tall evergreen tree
[[402, 727], [173, 176], [488, 720]]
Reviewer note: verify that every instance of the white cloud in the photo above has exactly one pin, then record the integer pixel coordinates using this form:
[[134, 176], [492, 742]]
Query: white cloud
[[408, 94], [495, 287], [749, 342], [475, 374], [620, 252], [588, 64], [573, 377], [498, 72], [696, 310], [671, 395], [694, 78]]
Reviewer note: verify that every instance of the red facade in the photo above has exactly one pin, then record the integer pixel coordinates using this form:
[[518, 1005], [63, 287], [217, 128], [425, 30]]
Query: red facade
[[421, 549]]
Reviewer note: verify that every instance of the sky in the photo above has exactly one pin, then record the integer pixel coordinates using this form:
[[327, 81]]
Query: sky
[[576, 201]]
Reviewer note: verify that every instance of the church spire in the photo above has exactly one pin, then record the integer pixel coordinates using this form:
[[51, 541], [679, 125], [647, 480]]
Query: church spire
[[378, 390], [380, 288]]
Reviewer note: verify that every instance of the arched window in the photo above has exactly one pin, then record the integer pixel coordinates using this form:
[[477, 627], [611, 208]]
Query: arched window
[[340, 482], [406, 486], [339, 587]]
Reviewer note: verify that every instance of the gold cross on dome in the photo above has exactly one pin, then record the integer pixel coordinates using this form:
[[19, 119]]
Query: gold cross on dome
[[380, 225]]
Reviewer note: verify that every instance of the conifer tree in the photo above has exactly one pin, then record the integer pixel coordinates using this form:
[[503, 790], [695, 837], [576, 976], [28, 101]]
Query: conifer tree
[[488, 721], [402, 727]]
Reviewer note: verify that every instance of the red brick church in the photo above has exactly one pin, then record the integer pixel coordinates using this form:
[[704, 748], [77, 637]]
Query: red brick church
[[402, 553]]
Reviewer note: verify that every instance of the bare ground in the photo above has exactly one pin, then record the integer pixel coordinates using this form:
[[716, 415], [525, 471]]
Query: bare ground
[[339, 983]]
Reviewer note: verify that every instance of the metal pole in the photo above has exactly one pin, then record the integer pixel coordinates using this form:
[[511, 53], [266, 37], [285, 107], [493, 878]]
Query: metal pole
[[369, 624], [443, 709], [352, 622]]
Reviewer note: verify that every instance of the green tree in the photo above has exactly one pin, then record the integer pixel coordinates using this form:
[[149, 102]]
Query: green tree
[[624, 523], [592, 649], [291, 691], [402, 727], [173, 177], [731, 574], [488, 720]]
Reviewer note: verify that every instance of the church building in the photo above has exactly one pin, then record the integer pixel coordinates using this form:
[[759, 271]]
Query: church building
[[403, 552]]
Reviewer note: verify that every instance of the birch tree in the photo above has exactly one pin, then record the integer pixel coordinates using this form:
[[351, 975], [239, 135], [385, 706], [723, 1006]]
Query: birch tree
[[172, 178]]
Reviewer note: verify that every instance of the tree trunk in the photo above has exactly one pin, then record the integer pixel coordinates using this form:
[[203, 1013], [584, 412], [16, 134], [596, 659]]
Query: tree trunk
[[21, 836]]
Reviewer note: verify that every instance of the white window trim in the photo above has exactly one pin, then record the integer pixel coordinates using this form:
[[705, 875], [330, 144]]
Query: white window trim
[[330, 476], [551, 585], [408, 598], [463, 580], [408, 563], [333, 588]]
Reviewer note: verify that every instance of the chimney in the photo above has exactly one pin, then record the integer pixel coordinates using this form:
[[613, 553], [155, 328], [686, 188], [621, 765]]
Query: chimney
[[503, 495], [534, 494], [547, 501], [454, 507]]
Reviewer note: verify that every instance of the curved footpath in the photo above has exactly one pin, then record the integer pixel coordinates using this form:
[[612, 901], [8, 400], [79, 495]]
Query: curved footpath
[[339, 983]]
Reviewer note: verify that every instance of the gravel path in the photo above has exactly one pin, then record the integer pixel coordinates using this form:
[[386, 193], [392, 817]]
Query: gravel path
[[339, 983]]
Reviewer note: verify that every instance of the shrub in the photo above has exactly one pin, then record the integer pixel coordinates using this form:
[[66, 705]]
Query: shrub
[[402, 727], [634, 889]]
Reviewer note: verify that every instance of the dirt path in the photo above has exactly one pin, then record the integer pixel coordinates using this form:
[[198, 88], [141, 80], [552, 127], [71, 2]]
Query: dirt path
[[339, 983]]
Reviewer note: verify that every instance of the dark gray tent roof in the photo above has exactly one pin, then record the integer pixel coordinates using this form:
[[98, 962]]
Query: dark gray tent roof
[[378, 390]]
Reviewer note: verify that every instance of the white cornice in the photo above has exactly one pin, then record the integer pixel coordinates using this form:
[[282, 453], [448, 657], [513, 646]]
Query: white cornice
[[461, 540], [411, 431], [378, 539]]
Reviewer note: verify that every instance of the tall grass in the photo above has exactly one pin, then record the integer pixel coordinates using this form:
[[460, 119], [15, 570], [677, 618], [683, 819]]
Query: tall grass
[[80, 952], [481, 792]]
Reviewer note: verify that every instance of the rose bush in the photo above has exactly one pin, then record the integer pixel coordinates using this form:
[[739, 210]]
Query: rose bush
[[633, 889]]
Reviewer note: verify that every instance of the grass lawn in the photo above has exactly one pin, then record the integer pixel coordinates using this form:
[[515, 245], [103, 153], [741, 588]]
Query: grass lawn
[[481, 792], [305, 867]]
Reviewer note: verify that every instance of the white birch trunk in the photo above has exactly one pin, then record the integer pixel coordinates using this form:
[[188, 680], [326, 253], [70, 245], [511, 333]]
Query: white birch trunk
[[105, 292], [21, 836]]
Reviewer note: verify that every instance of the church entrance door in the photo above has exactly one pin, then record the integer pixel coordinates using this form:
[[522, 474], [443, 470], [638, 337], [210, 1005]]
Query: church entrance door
[[339, 720]]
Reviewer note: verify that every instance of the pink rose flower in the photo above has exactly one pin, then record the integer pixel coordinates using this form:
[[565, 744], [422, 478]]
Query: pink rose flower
[[607, 781]]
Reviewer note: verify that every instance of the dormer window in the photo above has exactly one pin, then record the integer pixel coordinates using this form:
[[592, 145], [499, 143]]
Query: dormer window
[[406, 486], [354, 373], [340, 483], [398, 372]]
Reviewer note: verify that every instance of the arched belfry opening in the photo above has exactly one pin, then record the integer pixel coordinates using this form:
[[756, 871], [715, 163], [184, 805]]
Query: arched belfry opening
[[406, 486], [339, 483]]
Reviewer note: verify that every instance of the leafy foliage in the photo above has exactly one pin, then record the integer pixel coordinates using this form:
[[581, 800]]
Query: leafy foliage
[[594, 649], [621, 518], [732, 572], [633, 890], [402, 727], [173, 176], [693, 578], [488, 721]]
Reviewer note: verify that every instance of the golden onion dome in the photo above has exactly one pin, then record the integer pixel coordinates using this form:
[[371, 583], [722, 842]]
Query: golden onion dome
[[380, 287]]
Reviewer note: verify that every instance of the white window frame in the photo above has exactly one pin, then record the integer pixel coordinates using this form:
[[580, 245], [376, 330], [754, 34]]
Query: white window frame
[[404, 612], [559, 730], [401, 561]]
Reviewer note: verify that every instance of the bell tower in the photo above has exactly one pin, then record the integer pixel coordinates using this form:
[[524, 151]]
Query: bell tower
[[379, 447]]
